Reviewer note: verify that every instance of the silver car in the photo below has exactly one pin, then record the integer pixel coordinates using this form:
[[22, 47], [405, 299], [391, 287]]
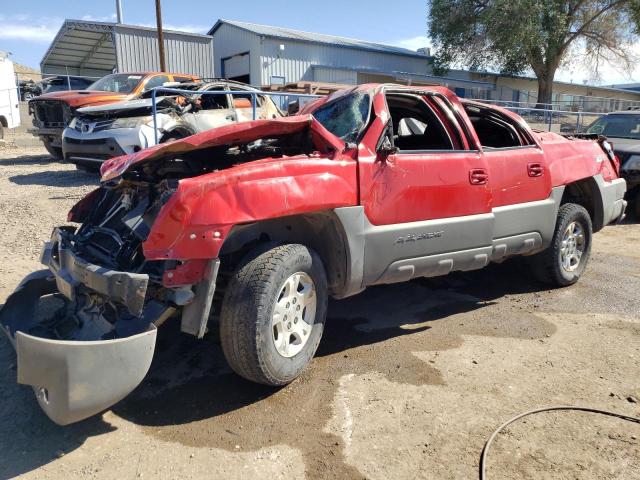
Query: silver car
[[105, 131]]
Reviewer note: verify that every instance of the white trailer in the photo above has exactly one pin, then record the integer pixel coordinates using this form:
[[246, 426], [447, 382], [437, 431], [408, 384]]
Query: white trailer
[[9, 105]]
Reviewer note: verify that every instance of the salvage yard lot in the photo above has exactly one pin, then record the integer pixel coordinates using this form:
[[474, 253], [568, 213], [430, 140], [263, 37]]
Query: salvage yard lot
[[409, 380]]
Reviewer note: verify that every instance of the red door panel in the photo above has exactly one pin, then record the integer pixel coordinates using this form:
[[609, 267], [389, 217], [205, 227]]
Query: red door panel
[[409, 187], [518, 175]]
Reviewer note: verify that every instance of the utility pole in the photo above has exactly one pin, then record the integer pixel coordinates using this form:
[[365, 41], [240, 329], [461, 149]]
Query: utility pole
[[119, 11], [163, 67]]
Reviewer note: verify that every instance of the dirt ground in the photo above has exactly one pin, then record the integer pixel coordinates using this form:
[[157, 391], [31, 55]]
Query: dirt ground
[[409, 382]]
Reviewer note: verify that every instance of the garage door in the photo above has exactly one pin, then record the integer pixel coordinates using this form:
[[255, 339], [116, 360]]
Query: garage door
[[237, 67]]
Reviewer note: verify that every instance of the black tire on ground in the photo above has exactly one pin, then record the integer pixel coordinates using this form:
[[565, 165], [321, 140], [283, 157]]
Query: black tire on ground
[[636, 206], [55, 152], [247, 334], [87, 168], [548, 265]]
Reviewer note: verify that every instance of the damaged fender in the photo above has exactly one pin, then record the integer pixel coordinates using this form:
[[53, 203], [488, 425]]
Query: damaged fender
[[72, 380]]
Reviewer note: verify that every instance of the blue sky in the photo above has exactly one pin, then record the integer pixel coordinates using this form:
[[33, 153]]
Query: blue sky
[[27, 27]]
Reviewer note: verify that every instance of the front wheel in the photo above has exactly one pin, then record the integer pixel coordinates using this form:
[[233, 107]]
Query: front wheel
[[55, 152], [273, 313], [565, 260]]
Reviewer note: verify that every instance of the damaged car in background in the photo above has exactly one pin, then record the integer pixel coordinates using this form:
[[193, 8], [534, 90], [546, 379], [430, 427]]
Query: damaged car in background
[[53, 111], [98, 133], [250, 227]]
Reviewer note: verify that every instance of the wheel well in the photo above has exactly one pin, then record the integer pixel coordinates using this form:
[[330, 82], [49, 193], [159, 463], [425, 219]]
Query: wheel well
[[321, 231], [4, 122], [585, 192]]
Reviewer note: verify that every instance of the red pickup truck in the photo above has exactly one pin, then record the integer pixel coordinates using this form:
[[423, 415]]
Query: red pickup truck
[[256, 224]]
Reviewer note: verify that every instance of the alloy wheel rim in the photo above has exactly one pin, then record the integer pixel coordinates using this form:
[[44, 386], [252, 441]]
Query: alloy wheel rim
[[293, 314], [572, 246]]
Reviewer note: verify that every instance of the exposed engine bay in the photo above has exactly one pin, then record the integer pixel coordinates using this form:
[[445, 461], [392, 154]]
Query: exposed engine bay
[[210, 159]]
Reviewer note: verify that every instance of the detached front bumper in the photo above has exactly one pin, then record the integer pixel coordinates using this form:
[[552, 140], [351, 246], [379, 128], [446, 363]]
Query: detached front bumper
[[76, 378]]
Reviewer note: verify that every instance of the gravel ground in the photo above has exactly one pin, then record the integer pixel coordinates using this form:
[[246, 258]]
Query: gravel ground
[[409, 380]]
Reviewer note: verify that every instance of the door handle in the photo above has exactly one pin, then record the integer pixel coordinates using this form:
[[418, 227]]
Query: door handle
[[535, 170], [478, 176]]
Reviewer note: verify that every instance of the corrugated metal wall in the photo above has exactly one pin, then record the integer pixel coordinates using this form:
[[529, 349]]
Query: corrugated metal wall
[[335, 75], [297, 59], [230, 41], [137, 50]]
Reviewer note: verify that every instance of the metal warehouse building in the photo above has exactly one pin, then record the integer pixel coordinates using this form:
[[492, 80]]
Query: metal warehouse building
[[263, 55], [98, 48]]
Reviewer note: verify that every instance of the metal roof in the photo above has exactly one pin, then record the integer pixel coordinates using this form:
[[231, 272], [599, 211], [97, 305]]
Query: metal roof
[[90, 45], [301, 36]]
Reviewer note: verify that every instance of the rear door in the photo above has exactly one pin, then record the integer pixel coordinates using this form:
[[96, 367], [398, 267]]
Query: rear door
[[430, 202], [520, 180]]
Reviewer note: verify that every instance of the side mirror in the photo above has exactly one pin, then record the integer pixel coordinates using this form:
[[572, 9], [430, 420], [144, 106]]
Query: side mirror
[[386, 148]]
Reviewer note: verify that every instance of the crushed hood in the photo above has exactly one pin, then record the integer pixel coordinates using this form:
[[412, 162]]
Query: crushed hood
[[234, 134]]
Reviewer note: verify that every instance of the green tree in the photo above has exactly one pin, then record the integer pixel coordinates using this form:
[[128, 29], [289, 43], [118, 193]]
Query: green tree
[[513, 36]]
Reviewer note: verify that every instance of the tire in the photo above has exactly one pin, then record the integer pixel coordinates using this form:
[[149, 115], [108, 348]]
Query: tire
[[87, 168], [565, 260], [1, 131], [253, 331], [55, 152], [636, 206]]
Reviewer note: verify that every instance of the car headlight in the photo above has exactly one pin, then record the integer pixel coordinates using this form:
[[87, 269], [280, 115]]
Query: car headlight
[[632, 164], [129, 122]]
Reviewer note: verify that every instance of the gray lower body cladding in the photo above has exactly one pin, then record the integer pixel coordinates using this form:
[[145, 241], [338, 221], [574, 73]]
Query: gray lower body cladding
[[380, 254]]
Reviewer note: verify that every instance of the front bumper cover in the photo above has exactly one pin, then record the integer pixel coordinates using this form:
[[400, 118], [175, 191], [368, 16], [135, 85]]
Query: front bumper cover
[[75, 379]]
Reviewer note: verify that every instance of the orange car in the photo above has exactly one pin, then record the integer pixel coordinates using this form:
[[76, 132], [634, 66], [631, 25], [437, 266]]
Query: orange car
[[53, 111]]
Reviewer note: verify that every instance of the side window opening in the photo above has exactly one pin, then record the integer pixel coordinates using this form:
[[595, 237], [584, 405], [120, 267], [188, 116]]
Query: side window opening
[[214, 102], [416, 126], [494, 129], [243, 100], [157, 81]]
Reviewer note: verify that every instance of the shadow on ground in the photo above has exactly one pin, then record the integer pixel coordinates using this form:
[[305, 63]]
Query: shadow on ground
[[56, 178], [44, 159], [190, 396]]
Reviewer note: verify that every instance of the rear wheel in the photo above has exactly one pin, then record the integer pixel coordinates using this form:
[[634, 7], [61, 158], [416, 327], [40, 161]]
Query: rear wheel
[[565, 260], [273, 313], [55, 152]]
